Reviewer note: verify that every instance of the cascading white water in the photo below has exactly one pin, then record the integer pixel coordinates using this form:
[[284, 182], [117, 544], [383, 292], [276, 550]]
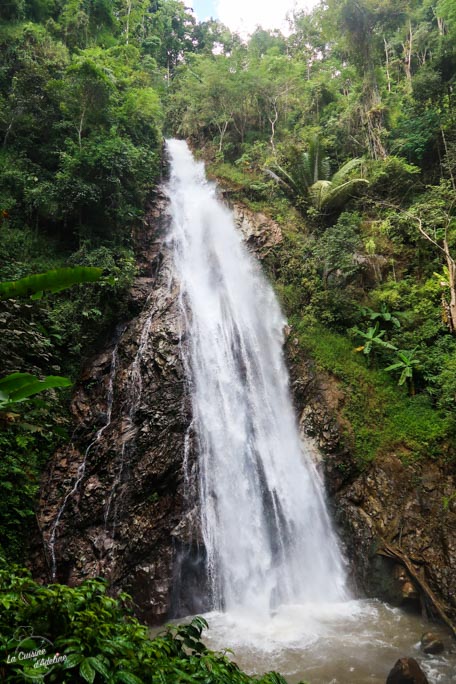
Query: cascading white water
[[273, 560], [266, 529]]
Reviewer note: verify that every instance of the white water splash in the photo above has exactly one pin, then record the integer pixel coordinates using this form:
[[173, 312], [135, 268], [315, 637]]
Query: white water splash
[[267, 533]]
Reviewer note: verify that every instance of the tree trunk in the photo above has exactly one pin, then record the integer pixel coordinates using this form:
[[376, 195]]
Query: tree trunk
[[273, 121], [452, 280], [372, 115], [388, 77], [441, 26], [396, 553], [453, 183], [408, 56], [8, 131], [81, 126], [127, 28], [222, 131]]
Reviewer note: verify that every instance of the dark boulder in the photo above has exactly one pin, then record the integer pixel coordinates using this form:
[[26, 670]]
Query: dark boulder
[[431, 643], [407, 671]]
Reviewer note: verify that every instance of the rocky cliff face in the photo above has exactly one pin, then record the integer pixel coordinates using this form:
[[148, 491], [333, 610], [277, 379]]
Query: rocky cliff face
[[113, 503], [408, 506], [121, 501]]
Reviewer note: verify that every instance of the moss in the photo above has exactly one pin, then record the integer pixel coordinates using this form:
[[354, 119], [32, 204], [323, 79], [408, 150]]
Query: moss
[[382, 415]]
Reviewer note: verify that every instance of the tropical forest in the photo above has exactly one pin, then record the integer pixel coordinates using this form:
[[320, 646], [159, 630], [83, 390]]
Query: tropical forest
[[228, 343]]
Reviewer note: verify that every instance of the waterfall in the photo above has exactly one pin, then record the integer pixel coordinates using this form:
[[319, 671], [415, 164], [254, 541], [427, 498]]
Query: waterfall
[[266, 529]]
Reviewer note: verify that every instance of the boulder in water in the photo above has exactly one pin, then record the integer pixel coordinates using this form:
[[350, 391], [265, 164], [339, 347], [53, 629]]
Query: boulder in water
[[407, 671], [431, 643]]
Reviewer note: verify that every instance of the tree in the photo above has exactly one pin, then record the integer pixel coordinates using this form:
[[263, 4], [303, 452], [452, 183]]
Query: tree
[[308, 179], [275, 85], [173, 24], [336, 249], [86, 93], [373, 337], [436, 221], [406, 364], [359, 22]]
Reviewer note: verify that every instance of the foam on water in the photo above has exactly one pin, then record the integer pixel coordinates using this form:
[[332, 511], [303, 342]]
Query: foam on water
[[351, 642]]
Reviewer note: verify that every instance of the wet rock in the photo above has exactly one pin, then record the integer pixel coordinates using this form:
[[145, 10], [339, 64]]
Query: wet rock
[[260, 232], [407, 671], [118, 491], [124, 493], [408, 590], [432, 644], [390, 499]]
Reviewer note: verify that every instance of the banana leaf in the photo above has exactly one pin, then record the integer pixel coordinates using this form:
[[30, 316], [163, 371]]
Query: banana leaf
[[51, 281], [18, 387]]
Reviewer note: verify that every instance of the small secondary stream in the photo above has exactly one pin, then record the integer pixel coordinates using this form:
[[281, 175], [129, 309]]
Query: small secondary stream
[[276, 575]]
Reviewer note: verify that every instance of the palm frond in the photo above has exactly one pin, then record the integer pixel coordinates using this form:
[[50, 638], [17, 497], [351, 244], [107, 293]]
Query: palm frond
[[283, 178], [342, 173], [340, 194], [319, 192]]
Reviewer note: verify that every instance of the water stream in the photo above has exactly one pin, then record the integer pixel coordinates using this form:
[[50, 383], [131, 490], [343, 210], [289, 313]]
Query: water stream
[[82, 467], [276, 574]]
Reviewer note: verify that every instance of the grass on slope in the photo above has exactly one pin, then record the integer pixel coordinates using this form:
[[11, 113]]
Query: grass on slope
[[384, 418]]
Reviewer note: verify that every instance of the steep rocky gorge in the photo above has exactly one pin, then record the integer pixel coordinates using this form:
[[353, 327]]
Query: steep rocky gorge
[[121, 500]]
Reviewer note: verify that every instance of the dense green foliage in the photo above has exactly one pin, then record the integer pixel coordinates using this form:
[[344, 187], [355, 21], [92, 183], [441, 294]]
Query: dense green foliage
[[99, 641], [80, 132], [352, 112], [343, 132]]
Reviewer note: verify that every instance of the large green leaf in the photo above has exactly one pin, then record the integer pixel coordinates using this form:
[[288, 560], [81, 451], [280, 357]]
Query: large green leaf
[[129, 678], [51, 281], [337, 195], [100, 667], [18, 387], [319, 192], [72, 660], [341, 174], [14, 382], [86, 671]]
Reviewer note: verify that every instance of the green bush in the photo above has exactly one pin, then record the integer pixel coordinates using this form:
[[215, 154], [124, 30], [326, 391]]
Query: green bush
[[98, 640], [391, 178]]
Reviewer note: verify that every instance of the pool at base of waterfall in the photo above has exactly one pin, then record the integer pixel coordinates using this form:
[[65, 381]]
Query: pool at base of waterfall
[[352, 642]]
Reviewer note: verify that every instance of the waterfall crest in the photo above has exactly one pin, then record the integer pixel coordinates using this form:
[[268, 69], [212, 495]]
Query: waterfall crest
[[267, 533]]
